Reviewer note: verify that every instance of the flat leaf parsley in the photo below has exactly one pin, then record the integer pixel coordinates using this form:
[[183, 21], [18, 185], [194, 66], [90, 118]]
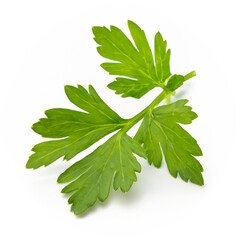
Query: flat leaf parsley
[[159, 135]]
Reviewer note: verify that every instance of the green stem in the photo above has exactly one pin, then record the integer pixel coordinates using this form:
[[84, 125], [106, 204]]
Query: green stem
[[143, 113], [168, 99], [165, 94], [189, 75]]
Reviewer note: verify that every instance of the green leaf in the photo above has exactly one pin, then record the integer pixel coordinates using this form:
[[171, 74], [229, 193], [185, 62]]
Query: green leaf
[[136, 64], [162, 58], [130, 88], [76, 130], [160, 133], [175, 82], [92, 176]]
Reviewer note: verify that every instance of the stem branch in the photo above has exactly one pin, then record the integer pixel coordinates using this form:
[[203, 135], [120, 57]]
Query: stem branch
[[143, 113], [189, 75], [163, 95]]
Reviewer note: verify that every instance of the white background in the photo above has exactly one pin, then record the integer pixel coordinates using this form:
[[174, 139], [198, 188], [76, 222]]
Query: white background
[[45, 45]]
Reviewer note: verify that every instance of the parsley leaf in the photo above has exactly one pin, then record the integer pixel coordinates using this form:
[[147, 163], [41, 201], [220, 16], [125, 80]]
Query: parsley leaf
[[135, 64], [93, 174], [179, 148], [159, 134], [76, 130]]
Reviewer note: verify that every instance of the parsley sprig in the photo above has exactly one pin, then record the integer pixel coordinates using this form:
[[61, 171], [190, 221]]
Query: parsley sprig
[[160, 133]]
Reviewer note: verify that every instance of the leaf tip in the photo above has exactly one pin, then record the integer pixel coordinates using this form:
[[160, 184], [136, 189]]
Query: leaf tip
[[90, 88], [129, 21], [200, 183], [60, 179], [63, 191], [67, 89], [27, 166], [95, 29]]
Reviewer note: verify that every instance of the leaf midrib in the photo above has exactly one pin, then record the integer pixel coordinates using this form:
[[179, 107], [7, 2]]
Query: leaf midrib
[[58, 149], [147, 74]]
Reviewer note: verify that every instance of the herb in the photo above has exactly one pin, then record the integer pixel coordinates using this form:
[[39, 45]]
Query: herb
[[159, 134], [133, 63], [178, 146]]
